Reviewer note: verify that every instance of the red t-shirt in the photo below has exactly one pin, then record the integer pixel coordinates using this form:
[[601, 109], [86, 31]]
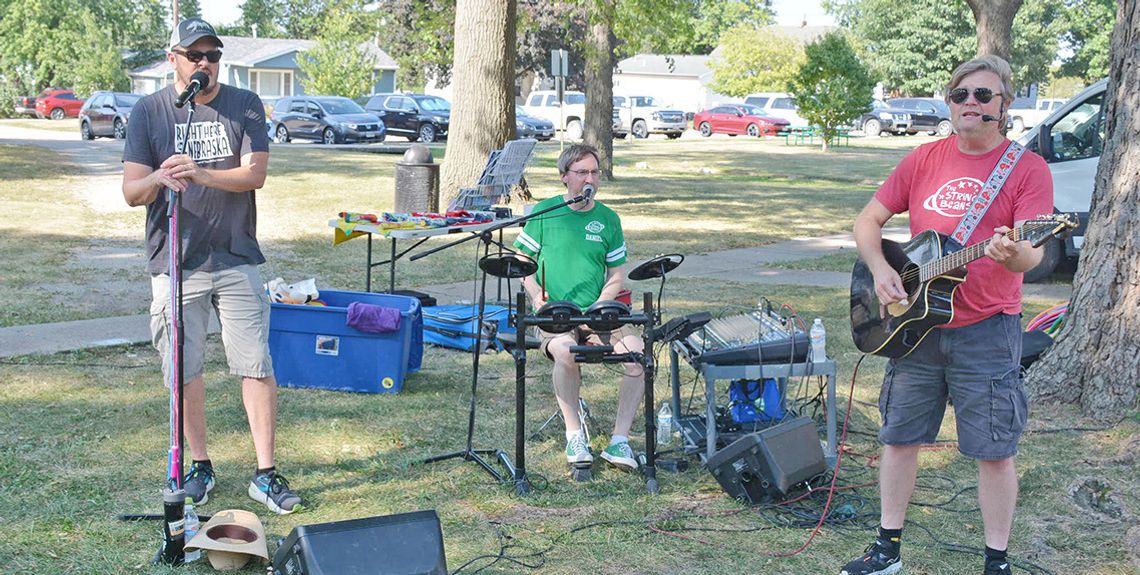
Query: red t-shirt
[[936, 182]]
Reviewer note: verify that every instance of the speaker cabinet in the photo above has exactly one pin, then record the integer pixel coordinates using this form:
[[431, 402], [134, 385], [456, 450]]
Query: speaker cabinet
[[404, 544], [764, 465]]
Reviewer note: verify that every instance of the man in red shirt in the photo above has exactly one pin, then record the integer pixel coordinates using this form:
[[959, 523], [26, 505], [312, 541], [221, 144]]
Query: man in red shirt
[[975, 359]]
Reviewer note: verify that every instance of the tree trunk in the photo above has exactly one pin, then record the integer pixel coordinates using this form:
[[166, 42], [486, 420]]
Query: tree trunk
[[598, 130], [994, 19], [483, 102], [1094, 360]]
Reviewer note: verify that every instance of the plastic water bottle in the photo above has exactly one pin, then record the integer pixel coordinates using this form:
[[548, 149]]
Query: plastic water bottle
[[818, 341], [664, 425], [190, 529]]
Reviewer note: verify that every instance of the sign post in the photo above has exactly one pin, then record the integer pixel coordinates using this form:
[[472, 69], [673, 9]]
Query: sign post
[[559, 68]]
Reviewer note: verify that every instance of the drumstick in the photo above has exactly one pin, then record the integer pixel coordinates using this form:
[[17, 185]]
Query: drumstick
[[543, 281]]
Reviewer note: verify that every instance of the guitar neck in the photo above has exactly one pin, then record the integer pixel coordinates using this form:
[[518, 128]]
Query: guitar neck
[[946, 264]]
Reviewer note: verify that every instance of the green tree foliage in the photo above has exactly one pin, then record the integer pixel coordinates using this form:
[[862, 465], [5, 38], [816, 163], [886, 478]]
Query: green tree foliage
[[301, 19], [755, 59], [76, 44], [338, 65], [420, 36], [832, 87], [189, 9], [709, 19], [1088, 35], [912, 46]]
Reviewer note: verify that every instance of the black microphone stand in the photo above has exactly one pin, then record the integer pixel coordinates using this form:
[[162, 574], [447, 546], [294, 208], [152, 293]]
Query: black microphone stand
[[171, 551], [469, 453]]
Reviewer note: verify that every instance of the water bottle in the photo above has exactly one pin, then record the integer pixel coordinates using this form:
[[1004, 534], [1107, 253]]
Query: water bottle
[[664, 425], [190, 529], [818, 341]]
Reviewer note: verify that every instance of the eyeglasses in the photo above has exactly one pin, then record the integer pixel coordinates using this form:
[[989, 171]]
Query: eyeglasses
[[585, 173], [982, 95], [195, 56]]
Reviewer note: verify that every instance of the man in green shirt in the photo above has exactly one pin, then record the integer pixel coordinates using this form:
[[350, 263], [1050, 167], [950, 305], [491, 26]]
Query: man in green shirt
[[580, 249]]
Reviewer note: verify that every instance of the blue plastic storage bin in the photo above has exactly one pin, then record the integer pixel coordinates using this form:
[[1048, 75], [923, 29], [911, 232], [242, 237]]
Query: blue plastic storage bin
[[312, 347]]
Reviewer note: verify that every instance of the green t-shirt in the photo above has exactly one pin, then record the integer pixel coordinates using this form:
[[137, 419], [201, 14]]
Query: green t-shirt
[[573, 250]]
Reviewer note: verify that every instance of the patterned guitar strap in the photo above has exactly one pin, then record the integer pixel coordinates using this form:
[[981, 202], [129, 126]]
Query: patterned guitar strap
[[984, 198]]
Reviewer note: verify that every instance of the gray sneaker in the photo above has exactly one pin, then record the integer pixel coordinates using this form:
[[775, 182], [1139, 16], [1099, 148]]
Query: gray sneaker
[[198, 483], [273, 490]]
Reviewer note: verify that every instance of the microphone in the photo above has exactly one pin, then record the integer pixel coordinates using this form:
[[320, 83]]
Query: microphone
[[587, 193], [988, 118], [198, 82]]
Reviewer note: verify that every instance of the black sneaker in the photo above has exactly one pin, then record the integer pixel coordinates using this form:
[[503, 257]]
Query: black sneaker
[[997, 567], [199, 482], [881, 558], [273, 490]]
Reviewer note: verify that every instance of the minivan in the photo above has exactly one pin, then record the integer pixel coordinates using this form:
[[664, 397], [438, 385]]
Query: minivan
[[1071, 140], [779, 104]]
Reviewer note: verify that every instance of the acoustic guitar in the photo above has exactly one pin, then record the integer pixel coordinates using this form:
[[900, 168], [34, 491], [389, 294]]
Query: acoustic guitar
[[930, 277]]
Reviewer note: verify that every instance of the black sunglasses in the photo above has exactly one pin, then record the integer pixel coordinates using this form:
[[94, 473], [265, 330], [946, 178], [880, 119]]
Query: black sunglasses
[[982, 95], [213, 56]]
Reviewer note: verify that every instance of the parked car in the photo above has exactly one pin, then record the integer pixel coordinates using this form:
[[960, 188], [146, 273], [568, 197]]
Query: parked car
[[930, 115], [414, 116], [527, 126], [733, 119], [641, 116], [884, 119], [58, 104], [1071, 140], [106, 114], [327, 119], [779, 104], [1025, 113], [568, 117]]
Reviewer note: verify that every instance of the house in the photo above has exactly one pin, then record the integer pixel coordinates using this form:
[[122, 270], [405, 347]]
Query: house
[[267, 66], [681, 81]]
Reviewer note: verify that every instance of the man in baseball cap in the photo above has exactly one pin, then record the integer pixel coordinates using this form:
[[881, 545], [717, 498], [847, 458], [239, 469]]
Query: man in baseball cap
[[191, 30]]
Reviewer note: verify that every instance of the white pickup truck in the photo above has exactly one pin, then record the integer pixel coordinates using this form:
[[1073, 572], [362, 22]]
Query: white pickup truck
[[641, 116], [1025, 118], [568, 117]]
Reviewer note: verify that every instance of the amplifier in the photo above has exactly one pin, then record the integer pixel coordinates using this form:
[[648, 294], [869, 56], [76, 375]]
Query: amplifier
[[404, 544], [764, 465]]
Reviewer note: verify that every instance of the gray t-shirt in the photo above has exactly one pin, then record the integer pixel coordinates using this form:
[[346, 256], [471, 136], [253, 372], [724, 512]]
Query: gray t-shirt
[[219, 228]]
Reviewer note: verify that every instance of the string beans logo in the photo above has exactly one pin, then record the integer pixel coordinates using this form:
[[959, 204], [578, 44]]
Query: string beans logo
[[595, 227], [952, 199]]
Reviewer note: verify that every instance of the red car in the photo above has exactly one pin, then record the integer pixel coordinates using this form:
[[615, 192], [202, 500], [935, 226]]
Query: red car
[[58, 104], [733, 119]]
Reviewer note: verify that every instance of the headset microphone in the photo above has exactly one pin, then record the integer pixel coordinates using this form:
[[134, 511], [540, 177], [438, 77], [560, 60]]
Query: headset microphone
[[988, 118]]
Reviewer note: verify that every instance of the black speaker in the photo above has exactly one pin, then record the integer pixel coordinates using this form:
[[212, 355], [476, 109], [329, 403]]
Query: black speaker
[[404, 544], [764, 465]]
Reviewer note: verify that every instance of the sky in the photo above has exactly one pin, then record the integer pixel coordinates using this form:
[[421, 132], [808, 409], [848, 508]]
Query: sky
[[788, 12]]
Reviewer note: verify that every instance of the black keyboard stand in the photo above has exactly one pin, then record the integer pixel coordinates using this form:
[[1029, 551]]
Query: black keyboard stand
[[593, 354]]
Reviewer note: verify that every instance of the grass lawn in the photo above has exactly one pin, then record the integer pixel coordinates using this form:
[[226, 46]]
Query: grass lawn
[[83, 435]]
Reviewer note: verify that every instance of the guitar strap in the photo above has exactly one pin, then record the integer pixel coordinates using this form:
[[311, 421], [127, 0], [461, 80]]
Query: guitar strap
[[985, 197]]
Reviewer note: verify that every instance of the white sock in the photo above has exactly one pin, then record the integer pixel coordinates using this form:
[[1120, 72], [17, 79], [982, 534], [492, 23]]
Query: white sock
[[570, 434], [618, 439]]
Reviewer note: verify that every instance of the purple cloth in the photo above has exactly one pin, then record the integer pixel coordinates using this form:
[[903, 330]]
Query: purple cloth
[[372, 318]]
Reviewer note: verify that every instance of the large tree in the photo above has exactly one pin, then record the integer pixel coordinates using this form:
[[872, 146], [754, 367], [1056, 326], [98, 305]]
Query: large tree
[[755, 59], [1087, 35], [832, 87], [338, 64], [994, 19], [912, 46], [483, 96], [1094, 360]]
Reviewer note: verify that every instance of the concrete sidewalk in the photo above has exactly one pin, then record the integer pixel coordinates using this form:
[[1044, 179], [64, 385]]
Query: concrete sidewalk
[[752, 265]]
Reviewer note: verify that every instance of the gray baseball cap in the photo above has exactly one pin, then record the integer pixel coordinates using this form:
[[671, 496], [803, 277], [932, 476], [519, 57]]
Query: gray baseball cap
[[191, 30]]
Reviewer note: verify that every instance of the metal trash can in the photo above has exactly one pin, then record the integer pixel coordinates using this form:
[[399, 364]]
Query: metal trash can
[[417, 181]]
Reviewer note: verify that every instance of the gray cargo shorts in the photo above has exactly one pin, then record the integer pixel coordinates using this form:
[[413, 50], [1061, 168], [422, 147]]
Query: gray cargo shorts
[[238, 297], [978, 368]]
